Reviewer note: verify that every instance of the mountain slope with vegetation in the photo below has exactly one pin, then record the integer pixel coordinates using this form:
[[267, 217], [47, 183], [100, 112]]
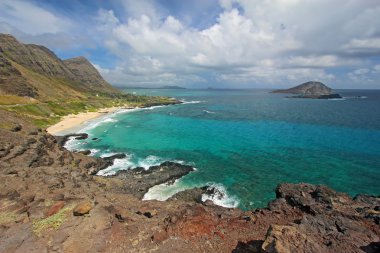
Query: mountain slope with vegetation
[[34, 71], [36, 84]]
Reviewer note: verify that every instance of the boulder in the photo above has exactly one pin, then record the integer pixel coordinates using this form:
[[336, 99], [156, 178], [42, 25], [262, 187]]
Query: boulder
[[82, 208], [189, 195], [85, 152]]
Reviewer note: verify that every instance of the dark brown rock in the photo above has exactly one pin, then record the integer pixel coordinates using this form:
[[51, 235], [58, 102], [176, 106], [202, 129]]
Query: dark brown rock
[[16, 128], [285, 239], [138, 180], [190, 195]]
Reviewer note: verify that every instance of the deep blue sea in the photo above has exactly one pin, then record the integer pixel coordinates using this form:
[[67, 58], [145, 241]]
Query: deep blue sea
[[245, 142]]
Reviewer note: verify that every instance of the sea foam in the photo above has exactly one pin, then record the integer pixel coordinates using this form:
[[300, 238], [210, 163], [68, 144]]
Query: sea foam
[[130, 162], [164, 191], [192, 102], [220, 196]]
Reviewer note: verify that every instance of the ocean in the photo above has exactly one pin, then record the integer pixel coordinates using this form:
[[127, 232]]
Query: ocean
[[246, 142]]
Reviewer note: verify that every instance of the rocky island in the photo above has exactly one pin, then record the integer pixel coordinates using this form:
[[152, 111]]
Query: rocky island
[[51, 199], [310, 89]]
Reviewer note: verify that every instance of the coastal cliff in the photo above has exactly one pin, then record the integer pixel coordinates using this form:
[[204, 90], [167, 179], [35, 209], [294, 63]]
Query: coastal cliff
[[51, 200], [310, 90]]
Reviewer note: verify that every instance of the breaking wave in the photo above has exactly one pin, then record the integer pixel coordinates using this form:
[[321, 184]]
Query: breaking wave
[[218, 194]]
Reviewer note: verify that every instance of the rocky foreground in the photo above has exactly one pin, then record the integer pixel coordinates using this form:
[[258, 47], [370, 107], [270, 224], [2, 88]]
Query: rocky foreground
[[51, 201]]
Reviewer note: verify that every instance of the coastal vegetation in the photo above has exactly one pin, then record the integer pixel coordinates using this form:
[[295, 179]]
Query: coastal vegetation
[[43, 114], [52, 222], [37, 85]]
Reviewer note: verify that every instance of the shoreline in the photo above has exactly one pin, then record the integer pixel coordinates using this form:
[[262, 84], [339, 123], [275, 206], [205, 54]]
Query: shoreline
[[69, 123], [45, 183], [73, 121]]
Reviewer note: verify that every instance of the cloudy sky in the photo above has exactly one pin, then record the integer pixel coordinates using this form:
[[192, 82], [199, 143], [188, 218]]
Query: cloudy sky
[[202, 43]]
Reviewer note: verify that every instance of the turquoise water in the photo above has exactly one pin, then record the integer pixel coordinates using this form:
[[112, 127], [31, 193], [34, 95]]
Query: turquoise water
[[247, 141]]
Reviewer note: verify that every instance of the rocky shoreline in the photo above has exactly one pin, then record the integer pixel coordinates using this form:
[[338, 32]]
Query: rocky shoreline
[[137, 180], [51, 201]]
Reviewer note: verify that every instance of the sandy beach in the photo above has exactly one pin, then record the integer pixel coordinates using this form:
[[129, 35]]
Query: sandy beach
[[76, 120]]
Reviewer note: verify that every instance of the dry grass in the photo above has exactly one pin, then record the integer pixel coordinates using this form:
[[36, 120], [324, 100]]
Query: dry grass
[[11, 100], [7, 217], [52, 222]]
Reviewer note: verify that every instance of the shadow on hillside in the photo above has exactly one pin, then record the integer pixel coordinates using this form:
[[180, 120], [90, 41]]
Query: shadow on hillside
[[248, 247]]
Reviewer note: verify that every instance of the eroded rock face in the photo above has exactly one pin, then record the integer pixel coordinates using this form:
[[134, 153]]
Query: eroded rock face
[[283, 239], [331, 221]]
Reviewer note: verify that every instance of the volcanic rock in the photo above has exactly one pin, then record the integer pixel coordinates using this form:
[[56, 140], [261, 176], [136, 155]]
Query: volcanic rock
[[311, 90], [139, 180], [82, 208]]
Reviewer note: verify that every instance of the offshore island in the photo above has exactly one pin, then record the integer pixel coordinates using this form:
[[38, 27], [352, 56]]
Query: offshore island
[[311, 89], [51, 199]]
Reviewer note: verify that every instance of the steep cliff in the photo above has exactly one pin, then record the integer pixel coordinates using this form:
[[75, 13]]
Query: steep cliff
[[35, 71], [87, 75]]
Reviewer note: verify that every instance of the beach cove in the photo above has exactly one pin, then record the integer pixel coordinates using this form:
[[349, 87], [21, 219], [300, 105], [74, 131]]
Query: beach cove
[[274, 149], [71, 122]]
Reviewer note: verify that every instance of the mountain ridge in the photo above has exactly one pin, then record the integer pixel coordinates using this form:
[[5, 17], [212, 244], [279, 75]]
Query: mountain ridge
[[76, 74]]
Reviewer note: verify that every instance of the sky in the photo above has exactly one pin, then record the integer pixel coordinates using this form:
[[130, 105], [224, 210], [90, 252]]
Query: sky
[[209, 43]]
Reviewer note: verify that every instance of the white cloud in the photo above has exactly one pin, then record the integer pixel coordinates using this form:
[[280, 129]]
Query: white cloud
[[376, 68], [106, 20], [234, 41], [148, 40], [364, 75], [276, 76], [31, 18], [269, 41], [322, 61], [363, 45], [61, 40], [135, 9], [249, 42], [361, 71], [140, 76], [314, 61]]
